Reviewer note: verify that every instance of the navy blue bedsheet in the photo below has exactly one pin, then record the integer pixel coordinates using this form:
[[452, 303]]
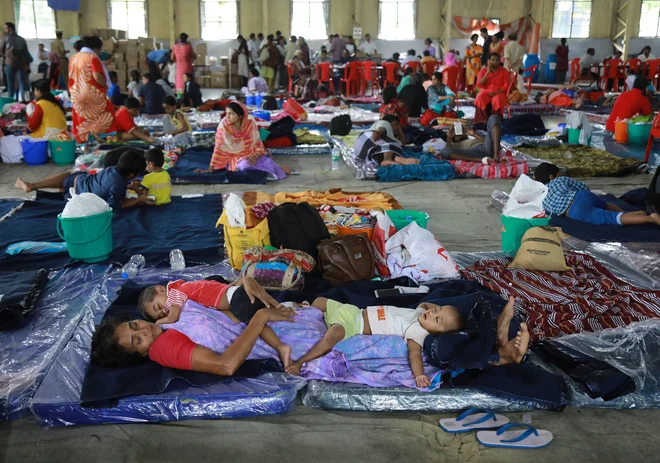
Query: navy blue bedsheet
[[199, 158], [187, 224]]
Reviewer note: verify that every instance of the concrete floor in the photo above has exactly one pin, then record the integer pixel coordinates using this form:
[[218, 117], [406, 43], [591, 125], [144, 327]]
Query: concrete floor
[[462, 219]]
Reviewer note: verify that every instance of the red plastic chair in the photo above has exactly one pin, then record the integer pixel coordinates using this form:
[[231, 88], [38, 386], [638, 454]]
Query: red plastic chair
[[351, 78], [415, 65], [611, 70], [430, 67], [650, 71], [450, 77], [632, 63], [325, 73], [531, 70], [289, 71], [655, 133], [369, 74], [390, 74], [575, 70]]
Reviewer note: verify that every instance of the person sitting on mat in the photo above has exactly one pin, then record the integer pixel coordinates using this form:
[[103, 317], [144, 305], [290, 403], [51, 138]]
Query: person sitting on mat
[[157, 181], [346, 320], [566, 196], [46, 117], [630, 103], [109, 184], [125, 123], [175, 123], [488, 151], [116, 343]]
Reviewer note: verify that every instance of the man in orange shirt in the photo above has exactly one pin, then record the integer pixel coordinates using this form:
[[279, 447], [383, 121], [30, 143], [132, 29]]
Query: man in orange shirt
[[126, 127], [630, 103]]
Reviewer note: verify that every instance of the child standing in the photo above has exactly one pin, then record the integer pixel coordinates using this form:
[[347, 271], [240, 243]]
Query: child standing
[[163, 304], [346, 320], [157, 180], [113, 92], [109, 184]]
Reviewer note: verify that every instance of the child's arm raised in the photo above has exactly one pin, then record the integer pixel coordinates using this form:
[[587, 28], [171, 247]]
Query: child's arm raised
[[172, 317], [416, 365]]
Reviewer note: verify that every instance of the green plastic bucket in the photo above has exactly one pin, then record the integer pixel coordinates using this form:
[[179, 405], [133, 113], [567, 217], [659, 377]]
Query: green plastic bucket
[[87, 238], [574, 137], [4, 100], [638, 134], [62, 152], [403, 218], [513, 230]]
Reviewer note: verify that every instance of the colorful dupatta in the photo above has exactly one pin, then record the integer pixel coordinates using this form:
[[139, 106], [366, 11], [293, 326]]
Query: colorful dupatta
[[233, 145]]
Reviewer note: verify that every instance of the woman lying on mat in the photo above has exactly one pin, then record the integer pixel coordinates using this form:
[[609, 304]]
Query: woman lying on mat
[[238, 146], [573, 199], [116, 343]]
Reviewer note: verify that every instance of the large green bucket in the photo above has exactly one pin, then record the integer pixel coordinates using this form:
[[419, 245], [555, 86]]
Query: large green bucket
[[63, 152], [402, 218], [513, 230], [87, 238]]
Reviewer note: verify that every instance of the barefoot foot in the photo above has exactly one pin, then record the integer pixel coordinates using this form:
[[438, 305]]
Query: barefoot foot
[[284, 351], [503, 322], [294, 368], [25, 186], [514, 350], [287, 170], [656, 217]]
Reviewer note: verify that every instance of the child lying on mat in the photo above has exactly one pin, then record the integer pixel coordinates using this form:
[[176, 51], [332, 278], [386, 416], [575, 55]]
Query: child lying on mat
[[573, 199], [239, 300], [346, 320]]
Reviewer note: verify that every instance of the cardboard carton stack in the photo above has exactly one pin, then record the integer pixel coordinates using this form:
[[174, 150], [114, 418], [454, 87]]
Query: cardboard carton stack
[[202, 51]]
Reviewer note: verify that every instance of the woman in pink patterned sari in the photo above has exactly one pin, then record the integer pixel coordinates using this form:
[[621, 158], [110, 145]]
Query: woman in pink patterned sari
[[184, 56]]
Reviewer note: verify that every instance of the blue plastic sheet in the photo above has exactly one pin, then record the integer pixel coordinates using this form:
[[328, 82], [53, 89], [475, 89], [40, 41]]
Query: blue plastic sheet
[[27, 353], [56, 403]]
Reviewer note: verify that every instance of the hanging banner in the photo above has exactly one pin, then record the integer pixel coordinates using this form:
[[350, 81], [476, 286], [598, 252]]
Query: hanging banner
[[64, 5], [527, 31]]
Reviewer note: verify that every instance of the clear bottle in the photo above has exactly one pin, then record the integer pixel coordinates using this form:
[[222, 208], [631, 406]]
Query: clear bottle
[[177, 261], [133, 266], [527, 418], [336, 155]]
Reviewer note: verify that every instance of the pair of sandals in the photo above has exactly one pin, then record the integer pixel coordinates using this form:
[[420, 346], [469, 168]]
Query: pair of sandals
[[485, 422]]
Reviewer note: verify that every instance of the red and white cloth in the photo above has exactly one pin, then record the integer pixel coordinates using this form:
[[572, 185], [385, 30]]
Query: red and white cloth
[[509, 168]]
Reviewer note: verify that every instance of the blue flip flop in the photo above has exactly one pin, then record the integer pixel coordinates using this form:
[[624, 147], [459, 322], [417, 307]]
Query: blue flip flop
[[482, 419], [527, 438]]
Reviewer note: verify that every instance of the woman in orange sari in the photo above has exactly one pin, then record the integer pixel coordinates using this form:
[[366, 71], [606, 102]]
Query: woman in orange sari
[[93, 113], [238, 146], [493, 82], [473, 55]]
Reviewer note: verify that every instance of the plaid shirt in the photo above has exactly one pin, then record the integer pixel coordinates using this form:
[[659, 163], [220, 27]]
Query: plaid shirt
[[561, 191]]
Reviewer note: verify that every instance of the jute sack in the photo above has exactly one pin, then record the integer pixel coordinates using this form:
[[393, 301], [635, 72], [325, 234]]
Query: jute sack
[[541, 249]]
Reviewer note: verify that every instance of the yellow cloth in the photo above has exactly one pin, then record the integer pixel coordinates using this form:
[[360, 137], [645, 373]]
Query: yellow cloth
[[176, 123], [306, 138], [53, 118], [159, 185]]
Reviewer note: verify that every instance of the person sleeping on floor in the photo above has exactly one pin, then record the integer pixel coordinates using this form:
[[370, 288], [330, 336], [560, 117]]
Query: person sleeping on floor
[[379, 145], [414, 325], [117, 344], [571, 198], [486, 150]]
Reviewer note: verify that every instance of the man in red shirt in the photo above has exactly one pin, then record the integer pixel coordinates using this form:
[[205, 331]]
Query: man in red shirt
[[125, 124], [630, 103]]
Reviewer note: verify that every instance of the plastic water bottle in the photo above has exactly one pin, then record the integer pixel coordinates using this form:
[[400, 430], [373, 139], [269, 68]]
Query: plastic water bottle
[[177, 261], [133, 266], [336, 154]]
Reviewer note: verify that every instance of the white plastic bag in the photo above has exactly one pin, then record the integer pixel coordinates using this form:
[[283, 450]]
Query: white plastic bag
[[235, 211], [83, 205], [414, 252], [526, 199], [11, 150], [434, 143]]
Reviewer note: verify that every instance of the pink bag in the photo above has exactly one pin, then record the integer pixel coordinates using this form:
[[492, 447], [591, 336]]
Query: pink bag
[[382, 232]]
